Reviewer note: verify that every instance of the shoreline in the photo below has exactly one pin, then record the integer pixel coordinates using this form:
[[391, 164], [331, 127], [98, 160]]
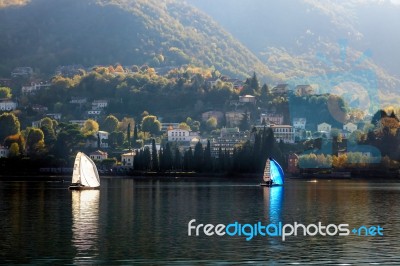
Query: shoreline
[[178, 176]]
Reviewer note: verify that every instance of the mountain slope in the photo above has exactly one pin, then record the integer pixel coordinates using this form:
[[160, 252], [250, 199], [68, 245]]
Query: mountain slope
[[304, 39], [46, 33]]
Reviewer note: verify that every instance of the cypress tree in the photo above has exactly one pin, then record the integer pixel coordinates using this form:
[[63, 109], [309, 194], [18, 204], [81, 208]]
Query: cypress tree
[[177, 160], [198, 157], [154, 156], [128, 135]]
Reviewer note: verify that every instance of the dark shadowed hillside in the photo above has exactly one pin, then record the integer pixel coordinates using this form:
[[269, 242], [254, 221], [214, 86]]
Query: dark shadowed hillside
[[46, 33]]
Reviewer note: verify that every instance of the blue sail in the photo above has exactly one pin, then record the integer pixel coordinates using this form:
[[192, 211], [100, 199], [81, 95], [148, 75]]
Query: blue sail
[[276, 171]]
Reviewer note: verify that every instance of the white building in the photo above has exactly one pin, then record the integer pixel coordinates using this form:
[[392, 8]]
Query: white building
[[247, 99], [127, 159], [78, 100], [3, 152], [324, 127], [233, 119], [299, 123], [272, 118], [56, 116], [7, 105], [80, 123], [350, 127], [103, 138], [284, 133], [168, 126], [98, 155], [302, 90], [34, 87], [181, 135], [99, 104]]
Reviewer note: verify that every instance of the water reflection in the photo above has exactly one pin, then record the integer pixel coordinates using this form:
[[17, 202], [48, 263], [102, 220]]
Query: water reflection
[[273, 197], [85, 223]]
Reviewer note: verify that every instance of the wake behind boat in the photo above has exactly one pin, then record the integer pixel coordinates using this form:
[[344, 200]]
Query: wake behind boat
[[85, 175], [273, 174]]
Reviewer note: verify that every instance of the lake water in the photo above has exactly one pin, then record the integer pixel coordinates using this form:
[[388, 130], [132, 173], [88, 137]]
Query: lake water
[[131, 222]]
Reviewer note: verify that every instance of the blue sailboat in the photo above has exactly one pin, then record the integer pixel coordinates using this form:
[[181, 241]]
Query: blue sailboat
[[273, 174]]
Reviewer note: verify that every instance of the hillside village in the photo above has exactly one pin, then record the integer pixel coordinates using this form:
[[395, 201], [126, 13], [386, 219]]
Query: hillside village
[[223, 126]]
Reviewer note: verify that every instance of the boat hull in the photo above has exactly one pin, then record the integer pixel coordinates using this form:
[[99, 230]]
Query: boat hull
[[73, 187], [269, 185]]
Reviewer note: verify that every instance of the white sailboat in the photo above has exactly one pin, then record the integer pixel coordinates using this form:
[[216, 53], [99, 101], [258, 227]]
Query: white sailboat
[[85, 175], [273, 174]]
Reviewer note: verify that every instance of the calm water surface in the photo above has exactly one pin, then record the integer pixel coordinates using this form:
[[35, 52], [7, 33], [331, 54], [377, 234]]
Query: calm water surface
[[132, 222]]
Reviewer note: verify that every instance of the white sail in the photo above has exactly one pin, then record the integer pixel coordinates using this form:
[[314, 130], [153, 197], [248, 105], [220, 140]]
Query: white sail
[[85, 171], [267, 171], [76, 176]]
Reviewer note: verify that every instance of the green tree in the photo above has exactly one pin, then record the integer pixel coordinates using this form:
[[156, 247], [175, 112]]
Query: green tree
[[212, 123], [151, 124], [5, 92], [184, 126], [14, 150], [48, 122], [128, 135], [90, 127], [245, 122], [177, 159], [35, 141], [110, 123], [49, 134], [116, 139], [69, 140], [198, 157], [167, 157], [9, 125], [207, 157]]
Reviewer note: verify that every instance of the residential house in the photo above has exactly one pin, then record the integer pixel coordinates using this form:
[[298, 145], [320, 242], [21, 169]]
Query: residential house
[[236, 83], [69, 70], [247, 99], [78, 100], [98, 155], [217, 114], [99, 104], [33, 88], [233, 119], [7, 105], [39, 108], [168, 126], [128, 158], [56, 116], [4, 82], [103, 135], [283, 133], [299, 125], [303, 90], [324, 128], [24, 72], [293, 164], [36, 124], [280, 89], [212, 81], [271, 118], [299, 122], [350, 127], [93, 141], [227, 141], [3, 152], [80, 123], [181, 135]]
